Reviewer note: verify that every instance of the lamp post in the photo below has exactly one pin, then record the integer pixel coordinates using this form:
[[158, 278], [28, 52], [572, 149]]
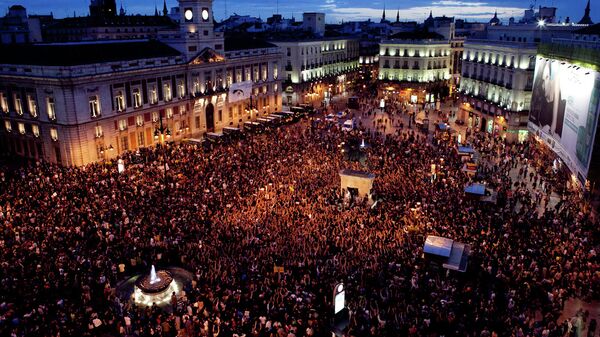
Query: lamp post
[[160, 133]]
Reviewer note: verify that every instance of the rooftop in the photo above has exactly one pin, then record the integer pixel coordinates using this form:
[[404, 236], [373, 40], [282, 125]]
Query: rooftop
[[114, 21], [71, 54], [418, 35], [248, 43], [589, 30]]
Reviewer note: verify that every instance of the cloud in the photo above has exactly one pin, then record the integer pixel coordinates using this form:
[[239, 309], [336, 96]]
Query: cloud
[[457, 3], [419, 13]]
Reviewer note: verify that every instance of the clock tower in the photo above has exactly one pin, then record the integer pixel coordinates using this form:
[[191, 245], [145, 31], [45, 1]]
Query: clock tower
[[196, 29]]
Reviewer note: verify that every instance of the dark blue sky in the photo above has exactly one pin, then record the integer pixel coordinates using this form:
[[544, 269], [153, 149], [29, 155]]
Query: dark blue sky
[[336, 10]]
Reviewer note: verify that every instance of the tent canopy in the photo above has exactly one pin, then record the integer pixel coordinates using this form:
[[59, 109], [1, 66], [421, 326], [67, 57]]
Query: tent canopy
[[438, 245], [443, 126], [477, 189], [465, 150], [453, 255]]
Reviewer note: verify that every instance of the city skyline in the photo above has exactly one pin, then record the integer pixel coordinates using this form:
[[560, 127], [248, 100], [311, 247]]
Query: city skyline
[[335, 10]]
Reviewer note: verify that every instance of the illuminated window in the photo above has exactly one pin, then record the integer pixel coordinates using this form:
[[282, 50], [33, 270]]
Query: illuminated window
[[35, 130], [8, 126], [119, 101], [32, 106], [122, 124], [54, 134], [94, 106], [167, 92], [153, 95], [137, 98], [98, 131], [229, 78], [169, 112], [140, 139], [154, 117], [18, 104], [21, 127], [265, 73], [50, 108], [3, 102], [139, 120], [196, 86], [182, 110], [180, 89], [275, 70]]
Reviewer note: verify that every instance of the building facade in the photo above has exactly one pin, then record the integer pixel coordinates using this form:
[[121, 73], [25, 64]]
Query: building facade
[[317, 69], [409, 57], [87, 102], [495, 87]]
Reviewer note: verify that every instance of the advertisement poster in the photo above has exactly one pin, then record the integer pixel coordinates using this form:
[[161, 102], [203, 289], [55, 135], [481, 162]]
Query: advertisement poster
[[564, 110]]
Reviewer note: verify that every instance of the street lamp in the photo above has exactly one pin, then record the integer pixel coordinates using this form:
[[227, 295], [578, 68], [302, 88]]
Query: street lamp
[[103, 150], [251, 108], [161, 132]]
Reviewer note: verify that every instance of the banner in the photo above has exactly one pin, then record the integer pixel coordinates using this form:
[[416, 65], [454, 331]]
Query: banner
[[240, 91]]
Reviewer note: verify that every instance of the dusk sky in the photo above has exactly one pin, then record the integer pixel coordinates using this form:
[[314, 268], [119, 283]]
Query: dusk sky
[[336, 10]]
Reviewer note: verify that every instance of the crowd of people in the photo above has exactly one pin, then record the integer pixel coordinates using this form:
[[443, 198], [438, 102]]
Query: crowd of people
[[230, 214]]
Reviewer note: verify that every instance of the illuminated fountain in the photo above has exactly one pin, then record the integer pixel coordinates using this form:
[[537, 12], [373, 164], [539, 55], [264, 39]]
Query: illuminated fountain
[[156, 287]]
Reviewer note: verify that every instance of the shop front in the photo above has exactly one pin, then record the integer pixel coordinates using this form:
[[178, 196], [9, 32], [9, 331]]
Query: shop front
[[483, 116]]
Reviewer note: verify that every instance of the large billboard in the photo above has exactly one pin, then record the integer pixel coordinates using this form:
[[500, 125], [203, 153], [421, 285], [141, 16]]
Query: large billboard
[[564, 110]]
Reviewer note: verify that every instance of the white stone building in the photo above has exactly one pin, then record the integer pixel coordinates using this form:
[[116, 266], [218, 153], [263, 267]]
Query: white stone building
[[311, 63], [496, 84], [415, 57], [71, 103]]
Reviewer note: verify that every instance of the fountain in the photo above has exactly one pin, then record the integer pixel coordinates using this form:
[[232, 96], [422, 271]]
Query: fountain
[[156, 287], [153, 277]]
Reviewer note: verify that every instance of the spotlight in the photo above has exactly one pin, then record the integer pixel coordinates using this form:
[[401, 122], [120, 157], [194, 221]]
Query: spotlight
[[541, 23]]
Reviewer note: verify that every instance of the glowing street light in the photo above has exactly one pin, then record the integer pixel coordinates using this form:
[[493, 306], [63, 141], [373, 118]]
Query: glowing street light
[[541, 23]]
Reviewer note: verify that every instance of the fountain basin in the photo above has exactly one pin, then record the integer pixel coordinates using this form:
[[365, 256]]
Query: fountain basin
[[153, 284]]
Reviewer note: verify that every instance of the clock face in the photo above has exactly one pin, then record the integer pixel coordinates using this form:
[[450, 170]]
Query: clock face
[[189, 15], [205, 14]]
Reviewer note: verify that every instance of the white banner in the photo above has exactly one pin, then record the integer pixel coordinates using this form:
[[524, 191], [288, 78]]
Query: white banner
[[240, 91]]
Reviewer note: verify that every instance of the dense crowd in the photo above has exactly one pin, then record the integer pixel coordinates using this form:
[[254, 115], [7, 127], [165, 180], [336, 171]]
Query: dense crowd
[[230, 214]]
